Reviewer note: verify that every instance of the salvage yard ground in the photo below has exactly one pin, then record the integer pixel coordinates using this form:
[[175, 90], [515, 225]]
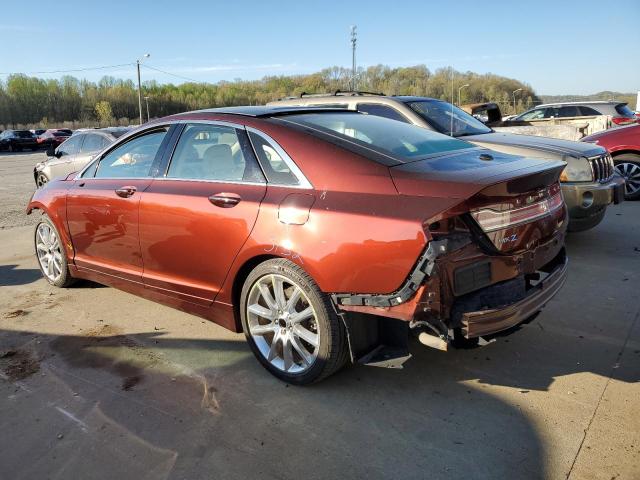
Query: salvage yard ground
[[97, 383]]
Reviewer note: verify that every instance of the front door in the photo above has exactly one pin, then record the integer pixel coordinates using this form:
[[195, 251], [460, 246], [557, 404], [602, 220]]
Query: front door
[[103, 207], [195, 218], [66, 153]]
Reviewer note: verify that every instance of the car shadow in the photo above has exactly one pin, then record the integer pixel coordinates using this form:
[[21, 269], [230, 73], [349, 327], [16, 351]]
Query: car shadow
[[11, 276], [182, 406]]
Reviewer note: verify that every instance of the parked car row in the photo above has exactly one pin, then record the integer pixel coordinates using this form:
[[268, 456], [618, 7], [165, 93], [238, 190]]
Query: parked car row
[[326, 228]]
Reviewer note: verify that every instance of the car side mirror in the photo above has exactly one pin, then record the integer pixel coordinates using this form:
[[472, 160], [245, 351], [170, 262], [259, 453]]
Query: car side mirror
[[51, 152]]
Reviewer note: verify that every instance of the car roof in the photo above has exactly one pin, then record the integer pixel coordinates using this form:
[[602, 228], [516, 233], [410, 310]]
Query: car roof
[[586, 102], [354, 97], [262, 111]]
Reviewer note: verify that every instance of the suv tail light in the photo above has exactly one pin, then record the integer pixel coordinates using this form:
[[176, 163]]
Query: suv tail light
[[491, 220], [624, 120]]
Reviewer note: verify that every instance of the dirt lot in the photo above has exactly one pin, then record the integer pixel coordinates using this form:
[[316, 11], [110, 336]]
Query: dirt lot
[[96, 383]]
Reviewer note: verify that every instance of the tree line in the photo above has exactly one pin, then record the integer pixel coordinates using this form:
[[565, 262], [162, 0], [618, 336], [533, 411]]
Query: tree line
[[30, 101]]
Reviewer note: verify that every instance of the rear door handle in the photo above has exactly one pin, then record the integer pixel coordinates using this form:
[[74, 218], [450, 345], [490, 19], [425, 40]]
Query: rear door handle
[[225, 200], [126, 192]]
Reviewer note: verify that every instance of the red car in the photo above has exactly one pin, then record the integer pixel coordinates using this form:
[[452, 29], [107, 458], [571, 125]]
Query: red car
[[324, 235], [53, 137], [624, 145]]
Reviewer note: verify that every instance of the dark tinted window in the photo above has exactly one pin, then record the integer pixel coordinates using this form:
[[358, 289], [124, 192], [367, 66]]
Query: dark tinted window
[[61, 134], [23, 134], [213, 152], [399, 140], [623, 110], [132, 159], [381, 111], [445, 118], [589, 112], [568, 111]]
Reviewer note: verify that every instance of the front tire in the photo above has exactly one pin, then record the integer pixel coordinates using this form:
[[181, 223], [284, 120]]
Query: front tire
[[51, 255], [290, 325], [628, 165]]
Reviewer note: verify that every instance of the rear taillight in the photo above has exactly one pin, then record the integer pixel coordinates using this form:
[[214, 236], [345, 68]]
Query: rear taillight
[[624, 120], [492, 220]]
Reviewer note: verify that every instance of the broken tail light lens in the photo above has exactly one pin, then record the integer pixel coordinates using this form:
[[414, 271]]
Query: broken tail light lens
[[492, 220]]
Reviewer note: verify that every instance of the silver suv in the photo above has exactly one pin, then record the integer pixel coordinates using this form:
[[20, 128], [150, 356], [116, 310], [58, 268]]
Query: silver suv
[[619, 112], [589, 181]]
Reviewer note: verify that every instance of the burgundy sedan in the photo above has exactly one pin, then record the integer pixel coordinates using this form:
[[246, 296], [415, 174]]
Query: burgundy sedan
[[53, 137], [323, 235], [624, 145]]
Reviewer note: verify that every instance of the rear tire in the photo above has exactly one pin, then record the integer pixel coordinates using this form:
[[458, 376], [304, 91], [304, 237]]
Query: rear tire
[[628, 165], [290, 325], [51, 255]]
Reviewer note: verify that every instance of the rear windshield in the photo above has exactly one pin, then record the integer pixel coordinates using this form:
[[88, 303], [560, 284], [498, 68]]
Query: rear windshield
[[118, 132], [399, 140], [623, 110], [23, 134]]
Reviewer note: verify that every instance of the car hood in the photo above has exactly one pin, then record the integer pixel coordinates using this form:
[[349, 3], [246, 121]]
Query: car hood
[[542, 144], [462, 174]]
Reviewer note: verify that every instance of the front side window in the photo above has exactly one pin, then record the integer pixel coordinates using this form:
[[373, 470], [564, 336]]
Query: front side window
[[537, 114], [403, 142], [381, 111], [213, 152], [70, 146], [132, 159], [448, 119]]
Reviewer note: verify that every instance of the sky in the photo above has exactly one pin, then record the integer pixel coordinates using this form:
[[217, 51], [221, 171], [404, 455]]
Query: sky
[[558, 47]]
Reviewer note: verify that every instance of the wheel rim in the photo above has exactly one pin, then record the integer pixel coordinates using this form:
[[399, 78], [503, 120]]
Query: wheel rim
[[48, 251], [631, 174], [42, 179], [283, 324]]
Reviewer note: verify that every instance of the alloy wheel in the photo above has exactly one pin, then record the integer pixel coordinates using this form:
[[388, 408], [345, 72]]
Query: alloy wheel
[[48, 251], [41, 180], [283, 323], [631, 174]]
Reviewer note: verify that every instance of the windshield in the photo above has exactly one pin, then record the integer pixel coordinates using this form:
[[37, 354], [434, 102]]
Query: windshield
[[399, 140], [443, 116]]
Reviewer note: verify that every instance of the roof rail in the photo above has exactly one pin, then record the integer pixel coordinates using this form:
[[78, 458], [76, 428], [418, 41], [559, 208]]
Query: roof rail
[[356, 93]]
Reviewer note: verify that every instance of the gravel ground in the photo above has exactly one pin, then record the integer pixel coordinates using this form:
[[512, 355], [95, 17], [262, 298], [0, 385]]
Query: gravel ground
[[96, 383], [17, 186]]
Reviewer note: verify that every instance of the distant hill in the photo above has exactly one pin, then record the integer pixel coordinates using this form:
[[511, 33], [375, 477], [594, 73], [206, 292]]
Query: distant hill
[[629, 98]]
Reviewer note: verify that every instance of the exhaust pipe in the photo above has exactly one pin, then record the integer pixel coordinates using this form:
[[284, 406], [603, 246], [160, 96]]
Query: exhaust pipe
[[433, 341]]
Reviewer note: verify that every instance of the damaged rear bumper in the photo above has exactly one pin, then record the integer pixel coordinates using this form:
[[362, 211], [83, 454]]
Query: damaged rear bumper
[[487, 322]]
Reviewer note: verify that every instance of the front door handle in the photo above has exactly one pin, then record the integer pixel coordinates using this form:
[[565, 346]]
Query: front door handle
[[225, 200], [125, 192]]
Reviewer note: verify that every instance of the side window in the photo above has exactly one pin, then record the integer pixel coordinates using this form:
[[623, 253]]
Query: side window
[[274, 165], [70, 146], [569, 111], [589, 112], [132, 159], [536, 114], [214, 152], [92, 143], [381, 111]]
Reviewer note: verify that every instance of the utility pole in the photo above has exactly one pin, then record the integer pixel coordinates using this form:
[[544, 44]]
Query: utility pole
[[514, 100], [459, 90], [354, 39], [146, 99], [138, 61]]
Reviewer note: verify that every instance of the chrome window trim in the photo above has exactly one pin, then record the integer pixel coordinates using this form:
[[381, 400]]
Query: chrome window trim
[[304, 183]]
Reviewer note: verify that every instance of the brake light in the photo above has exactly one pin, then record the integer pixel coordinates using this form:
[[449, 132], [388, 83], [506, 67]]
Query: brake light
[[491, 220], [623, 120]]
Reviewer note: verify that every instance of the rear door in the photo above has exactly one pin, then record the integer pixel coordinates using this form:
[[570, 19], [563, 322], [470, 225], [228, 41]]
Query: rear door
[[196, 216], [102, 206]]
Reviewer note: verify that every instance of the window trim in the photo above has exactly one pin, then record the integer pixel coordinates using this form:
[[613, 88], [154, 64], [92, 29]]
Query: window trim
[[303, 182]]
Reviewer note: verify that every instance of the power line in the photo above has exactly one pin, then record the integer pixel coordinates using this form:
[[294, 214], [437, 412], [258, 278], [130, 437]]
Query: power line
[[172, 74], [69, 71]]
